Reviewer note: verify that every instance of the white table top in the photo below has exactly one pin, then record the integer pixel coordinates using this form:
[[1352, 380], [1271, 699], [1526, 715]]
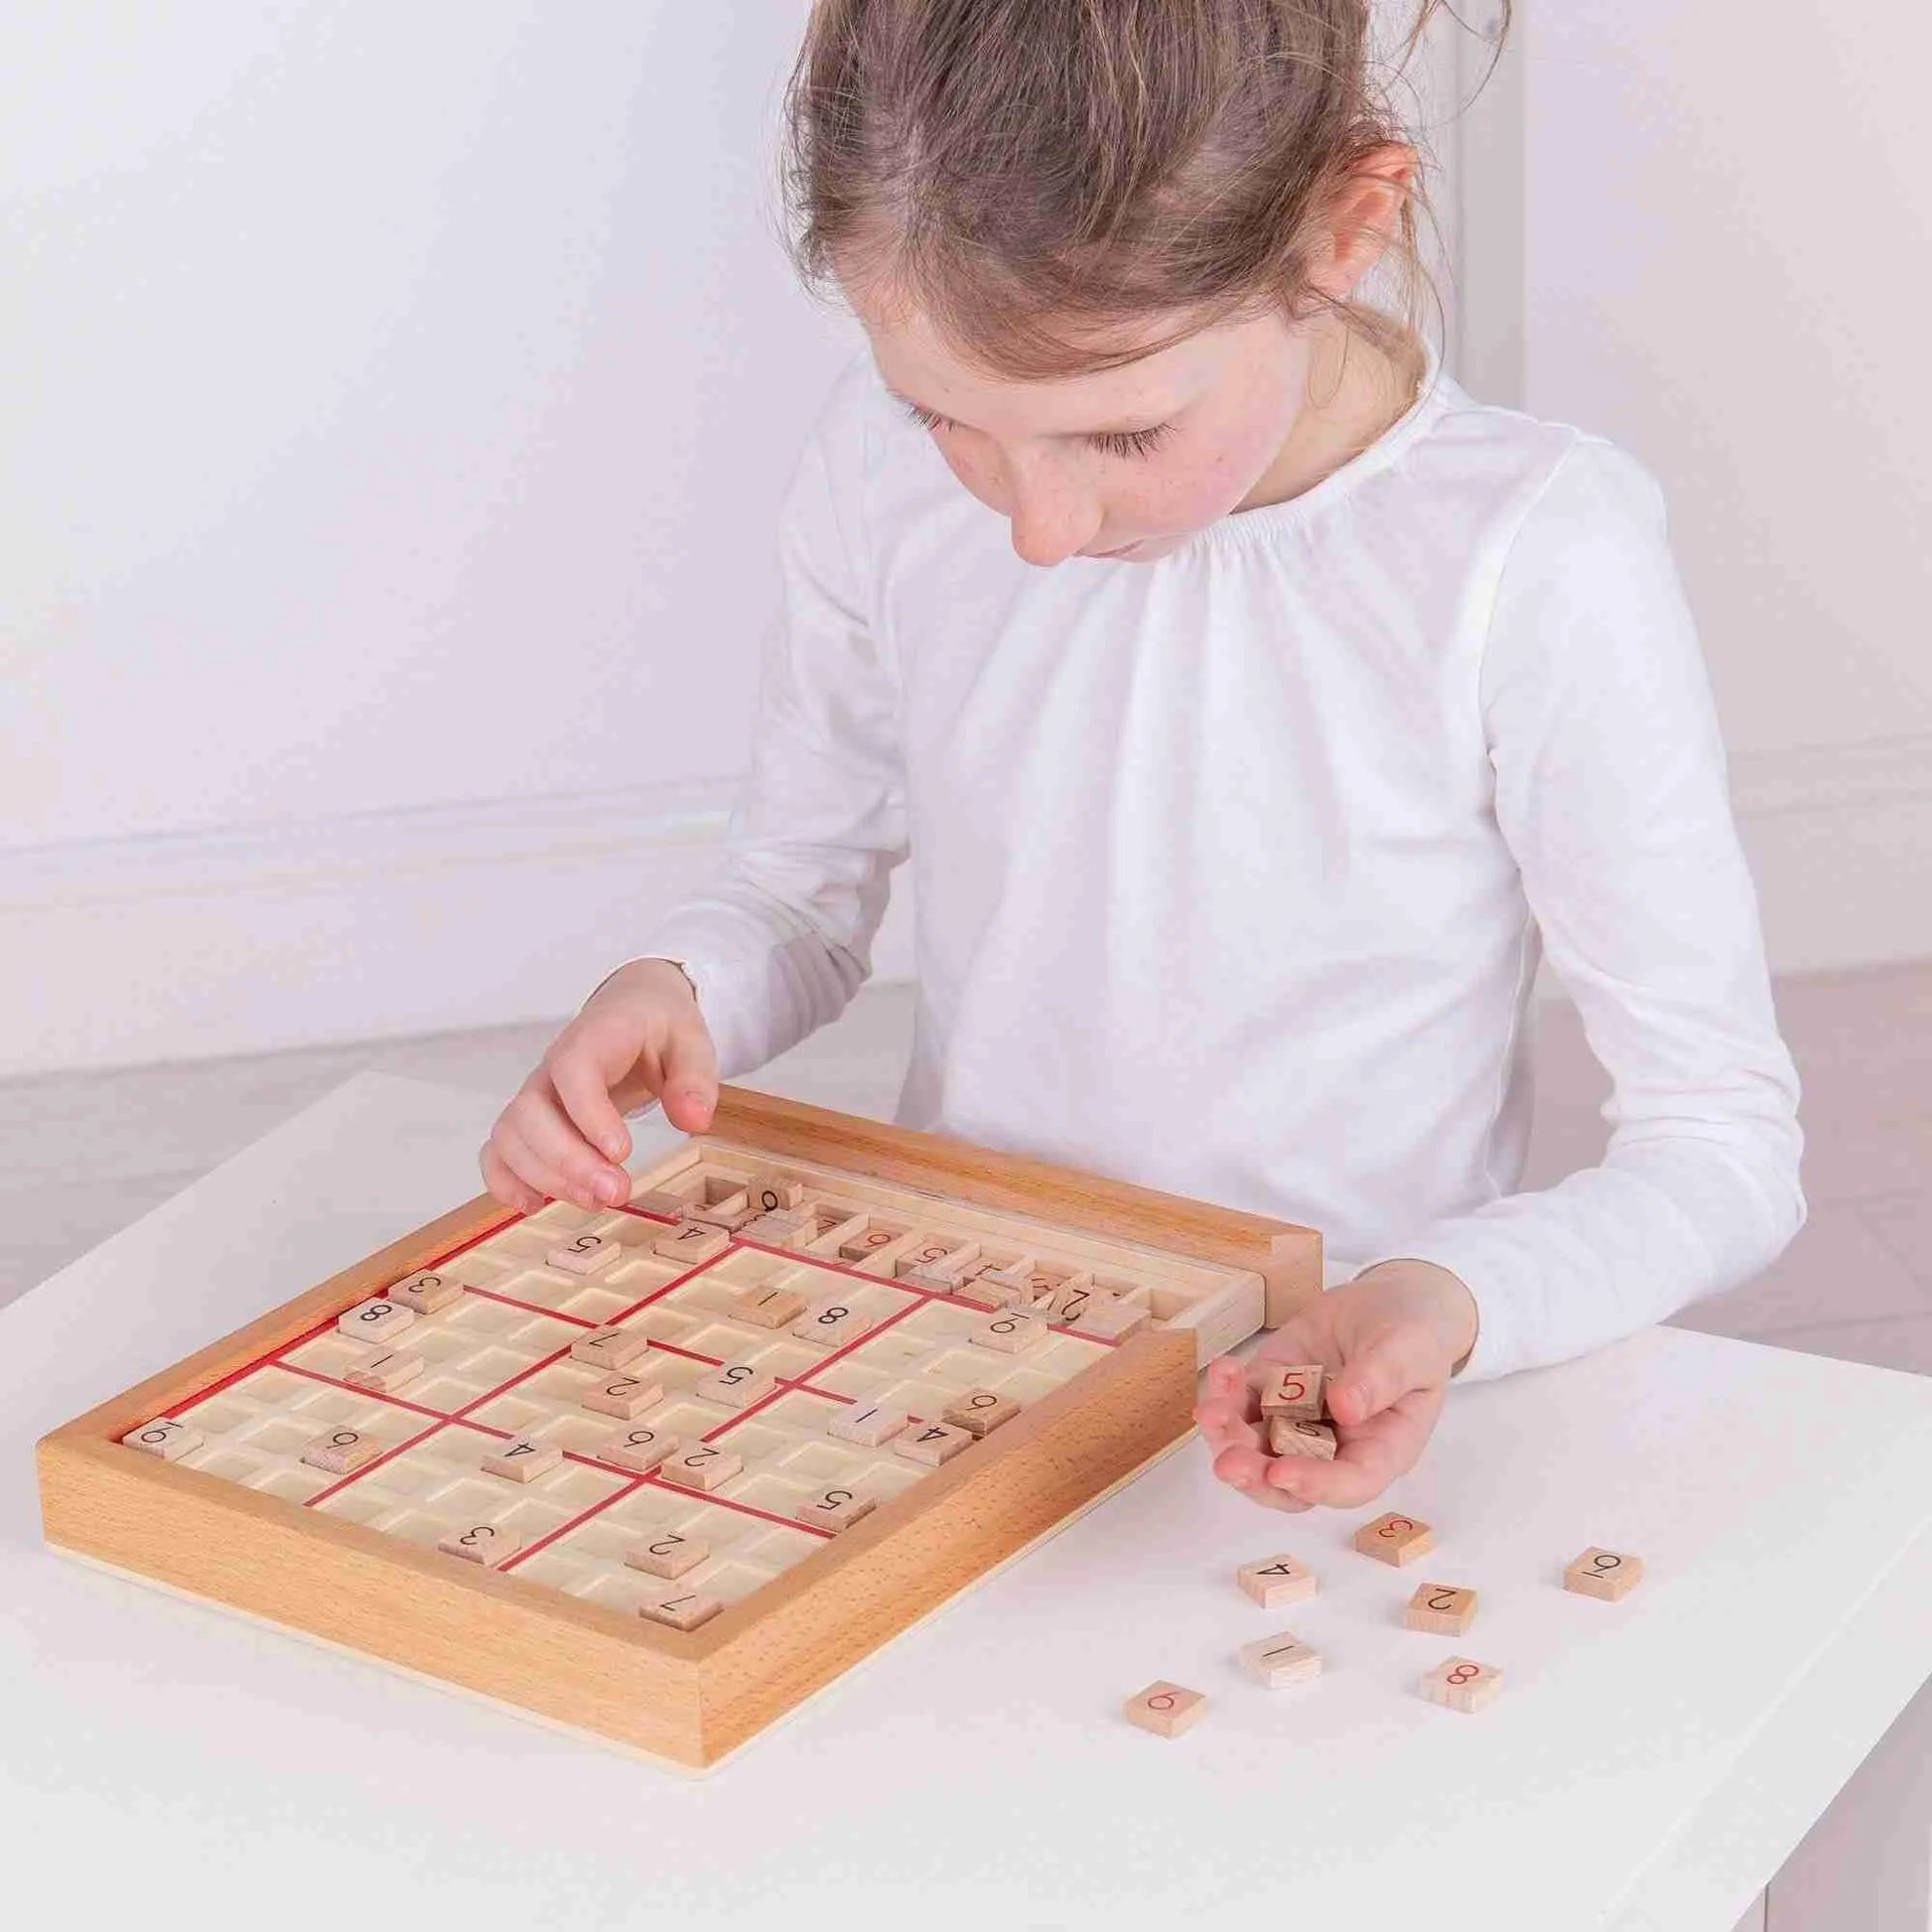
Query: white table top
[[1648, 1764]]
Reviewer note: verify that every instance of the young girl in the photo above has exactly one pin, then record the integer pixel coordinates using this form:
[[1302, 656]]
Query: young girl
[[1256, 709]]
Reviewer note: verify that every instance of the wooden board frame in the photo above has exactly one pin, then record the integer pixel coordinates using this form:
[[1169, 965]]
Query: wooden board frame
[[690, 1697]]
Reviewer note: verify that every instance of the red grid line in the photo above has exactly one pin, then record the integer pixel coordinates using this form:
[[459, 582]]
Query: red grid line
[[804, 1382], [905, 1286], [531, 1308], [918, 1297], [576, 1522], [387, 1456]]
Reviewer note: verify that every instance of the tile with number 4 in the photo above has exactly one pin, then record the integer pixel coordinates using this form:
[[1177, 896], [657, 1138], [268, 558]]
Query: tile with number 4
[[1275, 1581]]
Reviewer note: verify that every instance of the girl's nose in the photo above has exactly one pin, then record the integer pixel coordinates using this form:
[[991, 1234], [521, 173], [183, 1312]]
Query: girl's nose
[[1050, 525]]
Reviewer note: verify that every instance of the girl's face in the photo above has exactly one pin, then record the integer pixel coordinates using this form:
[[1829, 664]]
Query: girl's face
[[1123, 464]]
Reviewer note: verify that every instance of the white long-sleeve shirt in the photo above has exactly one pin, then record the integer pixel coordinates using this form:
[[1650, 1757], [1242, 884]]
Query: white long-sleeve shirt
[[1233, 870]]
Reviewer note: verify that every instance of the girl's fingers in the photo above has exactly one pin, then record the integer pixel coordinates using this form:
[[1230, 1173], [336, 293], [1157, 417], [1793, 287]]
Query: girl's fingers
[[1225, 1428], [584, 1094], [689, 1094], [584, 1088], [544, 1152], [504, 1184], [1369, 1458], [1246, 1470], [1395, 1362]]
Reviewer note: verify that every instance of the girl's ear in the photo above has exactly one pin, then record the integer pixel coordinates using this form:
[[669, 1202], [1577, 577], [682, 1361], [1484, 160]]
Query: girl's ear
[[1363, 217]]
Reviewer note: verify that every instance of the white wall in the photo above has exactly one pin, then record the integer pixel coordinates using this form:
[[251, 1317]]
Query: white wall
[[396, 405], [397, 398], [1719, 253]]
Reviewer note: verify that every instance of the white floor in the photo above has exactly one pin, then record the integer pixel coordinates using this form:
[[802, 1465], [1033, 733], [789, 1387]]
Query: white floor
[[83, 1155]]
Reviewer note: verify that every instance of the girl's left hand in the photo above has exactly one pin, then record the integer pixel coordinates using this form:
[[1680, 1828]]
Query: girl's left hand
[[1388, 1340]]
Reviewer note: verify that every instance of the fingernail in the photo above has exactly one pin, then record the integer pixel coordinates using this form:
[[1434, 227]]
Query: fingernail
[[611, 1190]]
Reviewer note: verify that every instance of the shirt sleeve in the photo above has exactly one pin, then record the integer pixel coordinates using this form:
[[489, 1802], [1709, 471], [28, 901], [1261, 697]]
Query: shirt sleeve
[[780, 938], [1610, 789]]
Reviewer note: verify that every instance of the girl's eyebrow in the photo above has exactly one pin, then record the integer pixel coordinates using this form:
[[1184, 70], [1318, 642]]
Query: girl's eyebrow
[[1108, 429]]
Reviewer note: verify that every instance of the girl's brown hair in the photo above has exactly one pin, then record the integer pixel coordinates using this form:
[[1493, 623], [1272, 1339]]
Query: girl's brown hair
[[1033, 172]]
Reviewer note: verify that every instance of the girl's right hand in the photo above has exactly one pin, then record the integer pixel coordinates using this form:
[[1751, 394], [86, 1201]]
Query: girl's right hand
[[639, 1037]]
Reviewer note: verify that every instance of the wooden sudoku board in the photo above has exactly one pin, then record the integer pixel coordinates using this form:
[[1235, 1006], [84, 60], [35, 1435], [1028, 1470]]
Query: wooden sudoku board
[[708, 1382]]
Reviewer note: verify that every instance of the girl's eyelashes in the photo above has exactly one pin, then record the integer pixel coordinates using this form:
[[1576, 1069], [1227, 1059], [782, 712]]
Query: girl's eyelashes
[[1132, 442], [924, 417], [1111, 442]]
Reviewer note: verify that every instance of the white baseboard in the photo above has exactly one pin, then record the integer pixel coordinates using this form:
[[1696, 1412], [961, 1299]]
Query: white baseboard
[[191, 945], [1840, 839]]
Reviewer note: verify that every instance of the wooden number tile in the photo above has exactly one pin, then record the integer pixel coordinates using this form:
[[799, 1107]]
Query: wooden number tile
[[772, 1194], [867, 1236], [932, 1281], [792, 1227], [427, 1292], [867, 1425], [1287, 1437], [1004, 1286], [737, 1385], [374, 1321], [1610, 1573], [932, 1442], [168, 1439], [1443, 1609], [1293, 1392], [834, 1508], [1107, 1317], [640, 1450], [831, 1323], [384, 1371], [666, 1205], [684, 1612], [610, 1349], [1070, 1301], [769, 1308], [1282, 1659], [691, 1242], [729, 1212], [488, 1544], [702, 1466], [522, 1458], [667, 1554], [586, 1254], [1275, 1581], [943, 1263], [1013, 1332], [1394, 1538], [342, 1451], [1462, 1683], [1042, 1282], [979, 1410], [1166, 1709], [625, 1396]]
